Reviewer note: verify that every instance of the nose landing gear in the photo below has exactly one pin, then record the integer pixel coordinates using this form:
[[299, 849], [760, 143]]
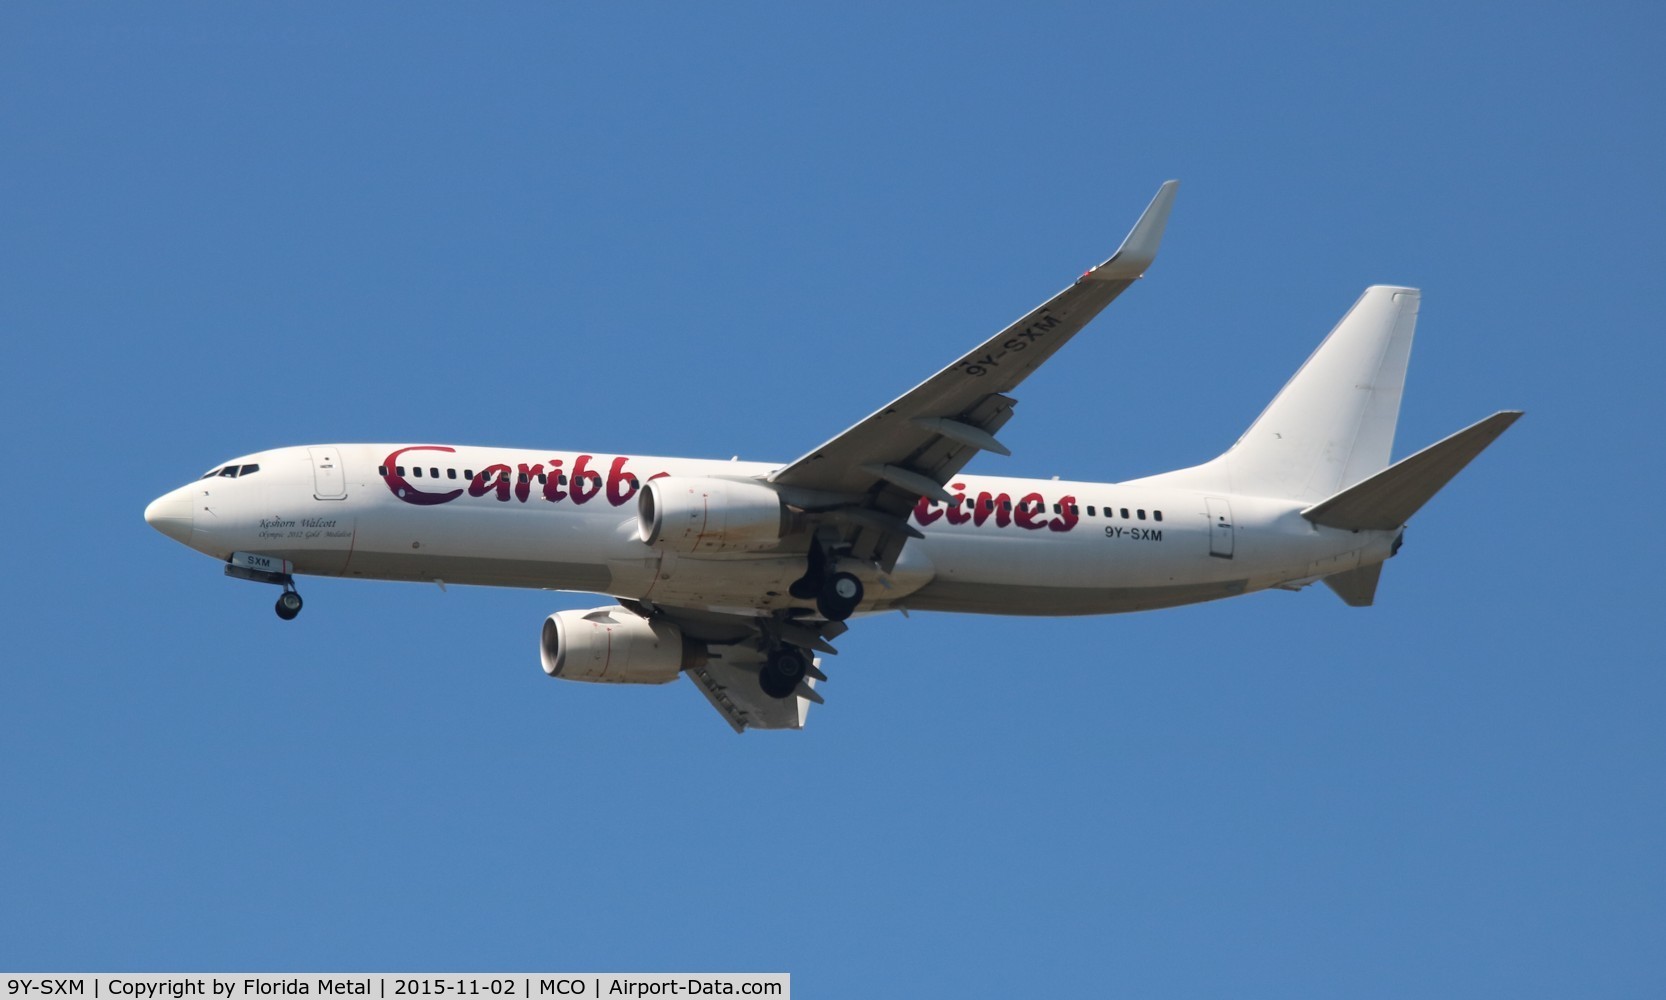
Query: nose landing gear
[[268, 569]]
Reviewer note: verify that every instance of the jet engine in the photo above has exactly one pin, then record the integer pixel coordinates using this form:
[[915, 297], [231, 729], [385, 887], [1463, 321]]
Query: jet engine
[[697, 516], [614, 646]]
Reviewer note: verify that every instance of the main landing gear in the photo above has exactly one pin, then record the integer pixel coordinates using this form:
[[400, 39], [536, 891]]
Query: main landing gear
[[782, 671], [837, 594]]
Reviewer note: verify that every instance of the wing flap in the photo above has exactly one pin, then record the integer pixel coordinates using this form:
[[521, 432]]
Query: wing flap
[[730, 682], [728, 677]]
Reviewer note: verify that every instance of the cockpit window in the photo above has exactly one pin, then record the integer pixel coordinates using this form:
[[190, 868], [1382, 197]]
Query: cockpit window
[[231, 471]]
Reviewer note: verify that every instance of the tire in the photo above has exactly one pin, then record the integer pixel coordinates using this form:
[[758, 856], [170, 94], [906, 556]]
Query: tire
[[289, 605], [781, 672], [839, 597]]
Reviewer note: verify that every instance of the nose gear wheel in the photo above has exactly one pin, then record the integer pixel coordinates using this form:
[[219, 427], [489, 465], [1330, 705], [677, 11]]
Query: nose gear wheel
[[289, 604]]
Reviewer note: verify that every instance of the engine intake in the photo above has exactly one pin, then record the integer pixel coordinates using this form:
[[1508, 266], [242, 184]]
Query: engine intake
[[612, 645], [695, 515]]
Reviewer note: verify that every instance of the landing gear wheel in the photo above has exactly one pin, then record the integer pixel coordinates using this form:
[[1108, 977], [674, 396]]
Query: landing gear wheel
[[289, 605], [781, 672], [839, 597]]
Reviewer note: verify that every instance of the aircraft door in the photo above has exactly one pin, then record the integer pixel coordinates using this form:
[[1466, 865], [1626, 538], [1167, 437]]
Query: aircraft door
[[328, 480], [1220, 527]]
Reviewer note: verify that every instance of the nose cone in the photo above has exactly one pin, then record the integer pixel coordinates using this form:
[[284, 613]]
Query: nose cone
[[171, 515]]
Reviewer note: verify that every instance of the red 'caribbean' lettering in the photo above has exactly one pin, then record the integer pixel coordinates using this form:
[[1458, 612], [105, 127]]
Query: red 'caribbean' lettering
[[1029, 512], [621, 486], [1028, 508], [1067, 515], [482, 485], [1000, 506], [957, 512], [501, 480], [402, 489], [552, 485], [524, 477], [586, 481]]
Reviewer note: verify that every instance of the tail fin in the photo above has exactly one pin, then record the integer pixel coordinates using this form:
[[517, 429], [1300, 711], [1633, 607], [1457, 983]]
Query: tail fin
[[1332, 424], [1327, 437]]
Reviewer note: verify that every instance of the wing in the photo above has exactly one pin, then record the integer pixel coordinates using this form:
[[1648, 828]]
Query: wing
[[729, 680], [735, 646], [865, 480]]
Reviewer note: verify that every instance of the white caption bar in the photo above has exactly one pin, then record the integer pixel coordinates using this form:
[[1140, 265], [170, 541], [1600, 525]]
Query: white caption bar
[[274, 986]]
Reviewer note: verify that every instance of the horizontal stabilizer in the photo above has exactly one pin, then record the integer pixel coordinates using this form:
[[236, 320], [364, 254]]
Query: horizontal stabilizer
[[1356, 587], [1388, 499]]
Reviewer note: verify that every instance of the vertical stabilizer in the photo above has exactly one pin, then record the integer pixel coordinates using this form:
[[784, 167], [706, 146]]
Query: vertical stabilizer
[[1332, 424]]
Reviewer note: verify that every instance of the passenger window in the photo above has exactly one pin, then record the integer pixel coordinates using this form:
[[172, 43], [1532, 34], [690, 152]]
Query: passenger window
[[468, 473], [399, 470], [1006, 505], [434, 471], [1090, 510], [1156, 515], [417, 471], [543, 477], [521, 478], [451, 473], [1125, 513], [1072, 510], [1141, 513], [381, 470]]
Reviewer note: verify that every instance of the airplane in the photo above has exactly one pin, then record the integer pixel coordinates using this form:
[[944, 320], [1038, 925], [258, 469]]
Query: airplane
[[738, 573]]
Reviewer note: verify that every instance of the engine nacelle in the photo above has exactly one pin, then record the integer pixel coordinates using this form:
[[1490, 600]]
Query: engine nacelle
[[614, 646], [695, 515]]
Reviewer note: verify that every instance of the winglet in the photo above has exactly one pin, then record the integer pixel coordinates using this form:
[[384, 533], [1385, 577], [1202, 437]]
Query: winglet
[[1139, 249]]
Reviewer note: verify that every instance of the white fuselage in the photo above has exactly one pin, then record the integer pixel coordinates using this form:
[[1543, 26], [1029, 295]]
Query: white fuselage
[[568, 521]]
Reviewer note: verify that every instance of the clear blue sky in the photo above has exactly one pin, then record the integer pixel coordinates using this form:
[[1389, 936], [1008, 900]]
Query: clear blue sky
[[673, 230]]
